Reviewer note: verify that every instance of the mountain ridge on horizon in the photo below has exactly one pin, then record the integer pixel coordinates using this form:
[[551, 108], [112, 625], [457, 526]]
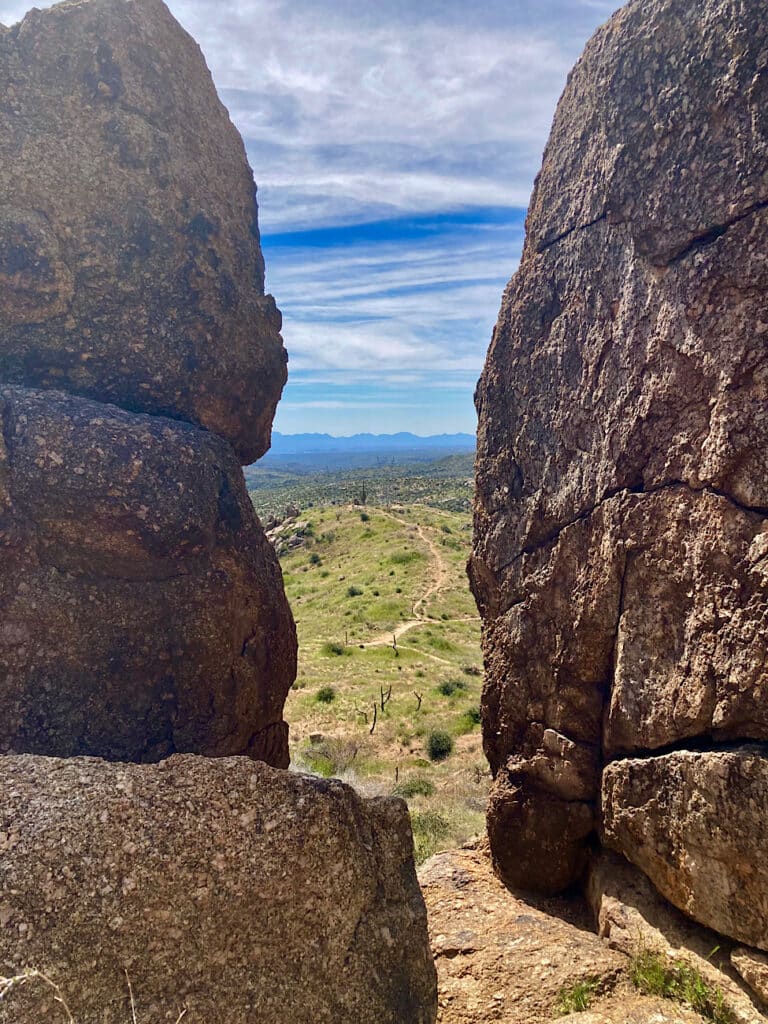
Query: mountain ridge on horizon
[[398, 435]]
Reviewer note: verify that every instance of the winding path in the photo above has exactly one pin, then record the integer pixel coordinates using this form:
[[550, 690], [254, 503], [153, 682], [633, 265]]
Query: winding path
[[437, 582]]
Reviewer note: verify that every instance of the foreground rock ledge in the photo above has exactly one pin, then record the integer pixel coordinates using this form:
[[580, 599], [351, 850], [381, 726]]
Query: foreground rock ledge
[[225, 887], [697, 824]]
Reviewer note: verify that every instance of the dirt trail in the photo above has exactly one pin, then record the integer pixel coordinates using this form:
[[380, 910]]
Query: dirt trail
[[438, 578]]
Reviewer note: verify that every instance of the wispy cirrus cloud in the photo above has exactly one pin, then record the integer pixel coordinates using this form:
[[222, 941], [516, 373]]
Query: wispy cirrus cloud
[[395, 145]]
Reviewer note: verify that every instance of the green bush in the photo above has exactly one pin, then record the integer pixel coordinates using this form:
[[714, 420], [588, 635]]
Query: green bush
[[353, 591], [364, 517], [417, 786], [315, 559], [326, 695], [439, 745], [468, 721], [450, 686]]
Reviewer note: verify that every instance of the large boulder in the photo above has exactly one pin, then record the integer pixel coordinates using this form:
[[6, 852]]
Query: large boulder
[[622, 476], [219, 887], [142, 609], [130, 265], [697, 824]]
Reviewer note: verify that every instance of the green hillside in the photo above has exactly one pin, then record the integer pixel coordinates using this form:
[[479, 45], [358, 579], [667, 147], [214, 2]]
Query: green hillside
[[389, 659]]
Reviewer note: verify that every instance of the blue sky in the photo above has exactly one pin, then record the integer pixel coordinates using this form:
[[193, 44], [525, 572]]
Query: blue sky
[[395, 145]]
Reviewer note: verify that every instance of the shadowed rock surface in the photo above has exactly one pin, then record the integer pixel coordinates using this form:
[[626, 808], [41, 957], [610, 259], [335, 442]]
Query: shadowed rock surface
[[620, 528], [221, 886], [142, 610], [130, 265]]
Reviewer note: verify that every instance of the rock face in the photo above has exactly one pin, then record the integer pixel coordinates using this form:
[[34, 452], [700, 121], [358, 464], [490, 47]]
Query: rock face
[[143, 611], [220, 886], [622, 488], [130, 266], [697, 825]]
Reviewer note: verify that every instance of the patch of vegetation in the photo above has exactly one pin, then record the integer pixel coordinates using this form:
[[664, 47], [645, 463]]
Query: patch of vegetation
[[349, 645], [329, 758], [354, 591], [468, 721], [450, 686], [335, 649], [315, 559], [416, 786], [404, 557], [439, 745], [364, 517], [652, 974], [577, 997], [326, 695], [429, 830]]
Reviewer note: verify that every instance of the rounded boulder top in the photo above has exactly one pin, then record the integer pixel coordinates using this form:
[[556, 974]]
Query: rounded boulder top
[[130, 265]]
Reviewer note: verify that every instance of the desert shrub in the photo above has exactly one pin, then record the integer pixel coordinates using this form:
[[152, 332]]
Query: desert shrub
[[416, 786], [429, 830], [471, 670], [333, 647], [364, 517], [326, 695], [353, 591], [446, 529], [330, 758], [315, 559], [450, 686], [439, 745]]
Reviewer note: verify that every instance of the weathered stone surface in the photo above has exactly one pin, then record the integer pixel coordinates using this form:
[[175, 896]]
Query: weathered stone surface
[[752, 965], [697, 825], [142, 609], [221, 886], [130, 265], [633, 918], [620, 537], [500, 956], [505, 958]]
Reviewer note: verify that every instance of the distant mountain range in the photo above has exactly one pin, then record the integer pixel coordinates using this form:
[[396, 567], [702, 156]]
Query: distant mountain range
[[323, 451], [295, 444]]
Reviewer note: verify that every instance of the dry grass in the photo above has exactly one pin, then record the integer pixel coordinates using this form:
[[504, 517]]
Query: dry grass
[[8, 985]]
